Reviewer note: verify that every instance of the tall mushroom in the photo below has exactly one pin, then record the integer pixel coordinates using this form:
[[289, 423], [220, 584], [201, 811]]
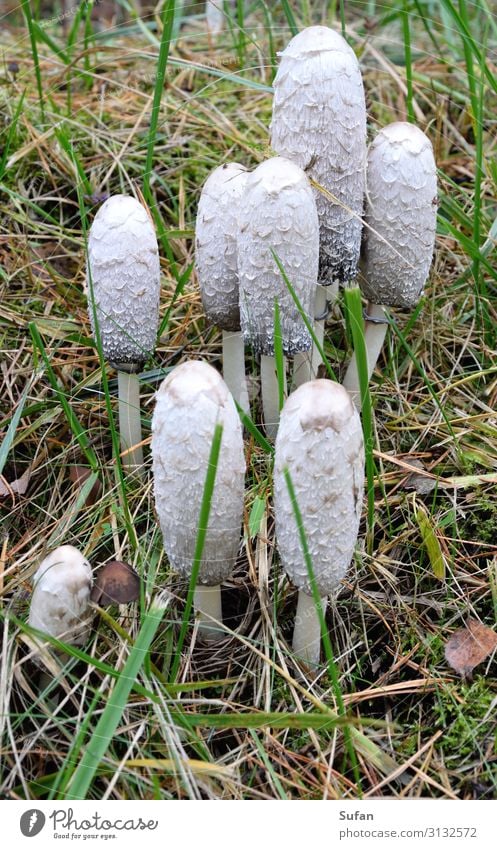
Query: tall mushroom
[[61, 595], [190, 402], [215, 255], [278, 213], [320, 443], [399, 237], [123, 279], [319, 122]]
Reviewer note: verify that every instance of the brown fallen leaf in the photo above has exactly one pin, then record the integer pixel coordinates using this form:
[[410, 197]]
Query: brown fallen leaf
[[115, 583], [470, 646], [422, 484], [78, 475], [17, 487]]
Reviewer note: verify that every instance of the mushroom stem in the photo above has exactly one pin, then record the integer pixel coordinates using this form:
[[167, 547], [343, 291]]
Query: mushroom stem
[[207, 602], [306, 363], [270, 394], [374, 337], [234, 368], [130, 429], [307, 632]]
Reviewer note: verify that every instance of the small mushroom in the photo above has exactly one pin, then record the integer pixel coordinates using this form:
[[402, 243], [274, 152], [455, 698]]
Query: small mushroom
[[400, 218], [115, 583], [216, 261], [320, 443], [319, 122], [277, 213], [190, 402], [123, 279], [61, 595]]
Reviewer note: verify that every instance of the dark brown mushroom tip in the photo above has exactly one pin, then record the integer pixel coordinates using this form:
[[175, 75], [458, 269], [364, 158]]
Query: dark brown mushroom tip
[[115, 583]]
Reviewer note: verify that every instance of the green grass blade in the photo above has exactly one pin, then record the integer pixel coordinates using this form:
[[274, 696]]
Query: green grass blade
[[254, 431], [165, 43], [78, 431], [26, 8], [353, 303], [290, 17], [279, 359], [408, 60], [10, 134], [308, 324], [11, 430], [111, 716], [203, 524], [430, 542]]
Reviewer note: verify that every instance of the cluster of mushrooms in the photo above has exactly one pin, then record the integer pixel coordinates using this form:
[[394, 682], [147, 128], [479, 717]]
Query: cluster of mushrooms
[[305, 211]]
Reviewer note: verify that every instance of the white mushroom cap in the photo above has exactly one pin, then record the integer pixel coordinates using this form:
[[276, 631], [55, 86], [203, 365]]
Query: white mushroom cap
[[215, 244], [190, 402], [319, 122], [401, 215], [320, 442], [277, 212], [61, 595], [125, 273]]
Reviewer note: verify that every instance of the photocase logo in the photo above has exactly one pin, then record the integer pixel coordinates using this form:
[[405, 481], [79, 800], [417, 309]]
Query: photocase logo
[[32, 822]]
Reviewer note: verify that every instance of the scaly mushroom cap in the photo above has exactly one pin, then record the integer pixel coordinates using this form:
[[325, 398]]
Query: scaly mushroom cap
[[277, 212], [319, 122], [123, 257], [190, 402], [61, 595], [320, 443], [215, 244], [401, 216]]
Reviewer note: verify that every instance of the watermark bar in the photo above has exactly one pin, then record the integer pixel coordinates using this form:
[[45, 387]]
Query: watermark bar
[[372, 823]]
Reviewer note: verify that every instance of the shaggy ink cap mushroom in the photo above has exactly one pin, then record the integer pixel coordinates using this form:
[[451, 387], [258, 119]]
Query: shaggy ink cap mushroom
[[215, 244], [190, 402], [319, 122], [61, 595], [400, 216], [123, 259], [320, 442], [277, 213]]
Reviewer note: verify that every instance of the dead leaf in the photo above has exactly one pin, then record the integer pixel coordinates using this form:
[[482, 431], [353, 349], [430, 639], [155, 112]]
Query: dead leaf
[[115, 583], [78, 475], [421, 483], [470, 646], [17, 487]]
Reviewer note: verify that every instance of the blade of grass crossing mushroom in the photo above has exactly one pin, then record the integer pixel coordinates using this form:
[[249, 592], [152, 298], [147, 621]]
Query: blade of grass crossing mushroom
[[353, 304], [308, 324], [167, 28], [203, 522], [114, 709], [332, 668], [279, 358]]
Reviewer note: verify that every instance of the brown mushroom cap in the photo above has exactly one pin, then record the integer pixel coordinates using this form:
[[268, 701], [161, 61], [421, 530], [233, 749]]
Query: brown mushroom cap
[[115, 583]]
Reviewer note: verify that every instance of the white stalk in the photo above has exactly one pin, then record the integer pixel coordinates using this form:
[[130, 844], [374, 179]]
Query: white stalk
[[307, 632], [374, 338], [306, 364], [270, 393], [234, 368], [130, 429], [207, 602]]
